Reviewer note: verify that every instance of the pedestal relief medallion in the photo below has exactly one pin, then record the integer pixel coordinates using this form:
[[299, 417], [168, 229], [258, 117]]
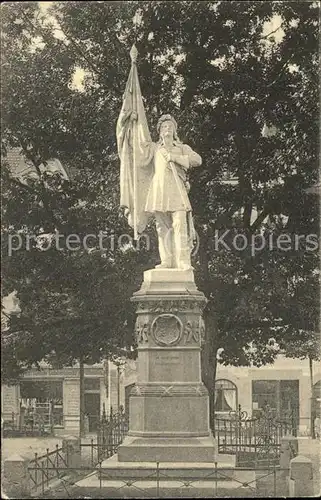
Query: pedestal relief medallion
[[167, 329]]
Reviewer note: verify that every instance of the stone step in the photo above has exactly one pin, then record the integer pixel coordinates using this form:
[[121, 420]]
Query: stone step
[[95, 488], [112, 468]]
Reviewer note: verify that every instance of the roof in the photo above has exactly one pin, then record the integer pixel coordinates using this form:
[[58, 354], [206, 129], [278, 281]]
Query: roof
[[21, 168]]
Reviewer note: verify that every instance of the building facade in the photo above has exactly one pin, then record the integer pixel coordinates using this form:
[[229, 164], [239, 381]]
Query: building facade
[[53, 396], [285, 386]]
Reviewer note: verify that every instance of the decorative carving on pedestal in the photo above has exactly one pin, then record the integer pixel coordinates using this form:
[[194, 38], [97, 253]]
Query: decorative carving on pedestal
[[167, 329], [142, 330], [170, 306], [202, 330], [163, 390], [136, 391], [167, 391], [191, 332], [194, 331]]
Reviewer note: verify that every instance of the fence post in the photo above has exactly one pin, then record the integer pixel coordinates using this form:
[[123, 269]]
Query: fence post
[[289, 450], [301, 477], [71, 449], [16, 473]]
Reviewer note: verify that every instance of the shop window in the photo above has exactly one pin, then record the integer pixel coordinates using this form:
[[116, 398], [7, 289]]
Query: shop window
[[43, 398], [280, 397]]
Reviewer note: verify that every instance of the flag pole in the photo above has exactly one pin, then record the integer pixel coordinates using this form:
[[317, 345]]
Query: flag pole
[[133, 56]]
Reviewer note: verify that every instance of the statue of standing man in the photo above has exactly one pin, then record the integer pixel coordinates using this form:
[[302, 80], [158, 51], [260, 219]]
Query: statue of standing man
[[153, 177]]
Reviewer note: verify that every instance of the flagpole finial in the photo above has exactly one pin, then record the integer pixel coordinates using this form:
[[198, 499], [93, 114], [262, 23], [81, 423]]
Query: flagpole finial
[[133, 53]]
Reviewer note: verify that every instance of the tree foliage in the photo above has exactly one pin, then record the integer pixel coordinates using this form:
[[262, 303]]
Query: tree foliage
[[215, 66]]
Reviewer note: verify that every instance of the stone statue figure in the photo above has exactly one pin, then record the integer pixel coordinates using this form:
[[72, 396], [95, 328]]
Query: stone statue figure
[[167, 196], [154, 177]]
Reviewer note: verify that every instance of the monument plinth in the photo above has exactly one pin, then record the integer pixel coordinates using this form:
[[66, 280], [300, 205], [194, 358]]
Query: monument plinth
[[169, 449], [168, 407]]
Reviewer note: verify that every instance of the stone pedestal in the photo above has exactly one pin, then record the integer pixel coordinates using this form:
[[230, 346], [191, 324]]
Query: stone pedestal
[[169, 450], [169, 409]]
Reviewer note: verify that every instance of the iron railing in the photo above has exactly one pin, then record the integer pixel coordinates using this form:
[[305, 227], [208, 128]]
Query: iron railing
[[44, 468], [32, 425], [158, 482], [112, 429], [254, 440], [111, 432]]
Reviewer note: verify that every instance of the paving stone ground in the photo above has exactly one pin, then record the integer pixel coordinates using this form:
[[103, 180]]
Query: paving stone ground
[[28, 446], [311, 448]]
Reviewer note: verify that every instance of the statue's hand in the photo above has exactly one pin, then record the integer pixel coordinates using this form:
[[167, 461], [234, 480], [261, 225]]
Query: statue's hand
[[134, 116]]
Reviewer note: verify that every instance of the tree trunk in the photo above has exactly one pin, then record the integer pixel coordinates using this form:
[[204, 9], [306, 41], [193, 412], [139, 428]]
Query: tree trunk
[[118, 387], [209, 363], [209, 351], [81, 398], [312, 401]]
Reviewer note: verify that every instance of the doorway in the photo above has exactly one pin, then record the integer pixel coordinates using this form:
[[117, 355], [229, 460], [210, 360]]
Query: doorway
[[92, 410]]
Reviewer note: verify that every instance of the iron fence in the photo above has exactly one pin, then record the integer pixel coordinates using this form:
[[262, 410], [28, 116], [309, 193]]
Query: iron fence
[[158, 482], [111, 432], [32, 425], [94, 454], [112, 429], [43, 469], [254, 440]]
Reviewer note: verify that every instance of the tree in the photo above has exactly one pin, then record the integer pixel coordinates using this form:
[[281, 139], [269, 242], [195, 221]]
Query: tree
[[226, 79]]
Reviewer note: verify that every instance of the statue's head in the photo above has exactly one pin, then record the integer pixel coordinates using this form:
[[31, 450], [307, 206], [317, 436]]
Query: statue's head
[[167, 125]]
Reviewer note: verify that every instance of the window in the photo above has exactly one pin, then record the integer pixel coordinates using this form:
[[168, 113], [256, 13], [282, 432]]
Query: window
[[43, 398], [264, 394], [280, 396], [225, 396], [92, 384]]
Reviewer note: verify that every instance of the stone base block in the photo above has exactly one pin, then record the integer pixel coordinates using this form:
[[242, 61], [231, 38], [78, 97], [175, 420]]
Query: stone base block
[[168, 281], [169, 416], [198, 449]]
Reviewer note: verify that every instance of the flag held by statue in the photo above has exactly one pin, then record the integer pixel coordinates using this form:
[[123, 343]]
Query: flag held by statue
[[135, 151]]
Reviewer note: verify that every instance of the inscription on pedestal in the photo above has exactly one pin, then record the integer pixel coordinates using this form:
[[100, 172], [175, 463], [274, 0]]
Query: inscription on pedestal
[[166, 358]]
